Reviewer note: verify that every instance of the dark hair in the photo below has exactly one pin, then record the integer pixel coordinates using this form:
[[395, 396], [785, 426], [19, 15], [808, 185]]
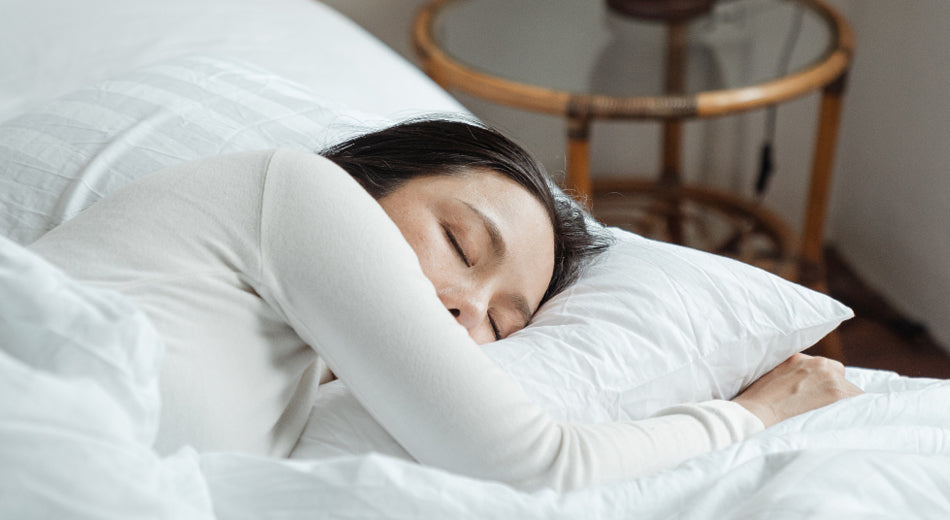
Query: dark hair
[[385, 159]]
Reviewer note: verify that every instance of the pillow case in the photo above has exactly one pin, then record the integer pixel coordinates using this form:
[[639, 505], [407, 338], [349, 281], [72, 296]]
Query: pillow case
[[60, 158], [652, 324]]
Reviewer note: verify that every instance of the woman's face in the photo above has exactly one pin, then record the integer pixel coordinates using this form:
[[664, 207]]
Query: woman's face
[[485, 243]]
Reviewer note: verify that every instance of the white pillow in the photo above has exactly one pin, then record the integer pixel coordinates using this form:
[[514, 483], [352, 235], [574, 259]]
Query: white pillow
[[60, 158], [652, 324]]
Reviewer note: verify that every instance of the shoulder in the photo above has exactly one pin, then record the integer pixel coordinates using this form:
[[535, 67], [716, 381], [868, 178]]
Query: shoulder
[[300, 162], [298, 173]]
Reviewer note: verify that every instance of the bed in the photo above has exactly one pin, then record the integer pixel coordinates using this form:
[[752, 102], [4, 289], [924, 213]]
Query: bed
[[98, 93]]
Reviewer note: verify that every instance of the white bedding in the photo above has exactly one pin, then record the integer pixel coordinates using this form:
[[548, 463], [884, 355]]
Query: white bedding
[[51, 47], [78, 401], [78, 373]]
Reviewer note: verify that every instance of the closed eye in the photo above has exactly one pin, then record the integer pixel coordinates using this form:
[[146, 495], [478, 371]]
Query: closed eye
[[455, 245], [494, 328]]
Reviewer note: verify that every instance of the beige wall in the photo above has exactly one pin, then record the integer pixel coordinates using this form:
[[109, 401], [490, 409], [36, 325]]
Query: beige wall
[[891, 205], [891, 201]]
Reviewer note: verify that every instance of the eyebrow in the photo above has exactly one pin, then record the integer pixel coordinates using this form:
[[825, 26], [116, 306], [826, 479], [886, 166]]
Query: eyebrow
[[521, 305], [494, 234], [500, 249]]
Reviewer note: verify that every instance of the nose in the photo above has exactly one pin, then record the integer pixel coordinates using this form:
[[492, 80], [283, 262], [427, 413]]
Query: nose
[[467, 306]]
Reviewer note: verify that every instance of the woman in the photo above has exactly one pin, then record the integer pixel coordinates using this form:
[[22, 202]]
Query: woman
[[269, 273]]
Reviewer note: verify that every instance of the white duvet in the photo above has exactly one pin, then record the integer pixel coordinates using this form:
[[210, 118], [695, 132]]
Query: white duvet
[[78, 372]]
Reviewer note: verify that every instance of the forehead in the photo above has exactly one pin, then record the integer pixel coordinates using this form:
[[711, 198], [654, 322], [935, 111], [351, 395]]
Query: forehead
[[491, 193]]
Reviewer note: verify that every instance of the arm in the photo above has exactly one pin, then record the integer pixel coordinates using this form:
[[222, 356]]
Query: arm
[[345, 279]]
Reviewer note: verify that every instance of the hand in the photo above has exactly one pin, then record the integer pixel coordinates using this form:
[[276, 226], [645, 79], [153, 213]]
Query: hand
[[800, 384]]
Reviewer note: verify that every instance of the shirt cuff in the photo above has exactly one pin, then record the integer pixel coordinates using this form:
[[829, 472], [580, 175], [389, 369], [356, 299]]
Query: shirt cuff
[[725, 422]]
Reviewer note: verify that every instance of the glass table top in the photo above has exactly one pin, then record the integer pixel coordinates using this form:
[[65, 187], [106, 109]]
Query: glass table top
[[582, 46]]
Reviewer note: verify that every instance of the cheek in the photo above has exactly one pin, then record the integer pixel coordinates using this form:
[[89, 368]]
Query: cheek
[[433, 258], [425, 236]]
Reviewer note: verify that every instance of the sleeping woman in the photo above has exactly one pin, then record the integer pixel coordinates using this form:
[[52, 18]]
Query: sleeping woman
[[384, 261]]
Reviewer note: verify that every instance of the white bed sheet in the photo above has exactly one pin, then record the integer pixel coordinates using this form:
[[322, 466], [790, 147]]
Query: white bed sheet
[[51, 47]]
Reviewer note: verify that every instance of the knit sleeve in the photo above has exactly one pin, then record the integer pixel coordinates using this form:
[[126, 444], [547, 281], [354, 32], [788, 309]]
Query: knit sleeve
[[341, 274]]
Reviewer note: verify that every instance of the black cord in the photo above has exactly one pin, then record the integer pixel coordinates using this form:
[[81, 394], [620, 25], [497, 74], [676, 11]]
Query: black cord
[[766, 162]]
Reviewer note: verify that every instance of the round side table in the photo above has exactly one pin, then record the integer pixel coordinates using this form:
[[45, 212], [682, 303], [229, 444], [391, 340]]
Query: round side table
[[482, 47]]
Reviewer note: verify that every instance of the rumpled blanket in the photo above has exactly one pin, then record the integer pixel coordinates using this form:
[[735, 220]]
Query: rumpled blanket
[[79, 405]]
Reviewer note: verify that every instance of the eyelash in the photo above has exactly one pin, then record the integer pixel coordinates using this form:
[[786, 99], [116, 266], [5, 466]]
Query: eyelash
[[494, 328], [455, 244]]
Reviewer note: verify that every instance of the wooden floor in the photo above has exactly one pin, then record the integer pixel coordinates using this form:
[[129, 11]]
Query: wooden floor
[[878, 336]]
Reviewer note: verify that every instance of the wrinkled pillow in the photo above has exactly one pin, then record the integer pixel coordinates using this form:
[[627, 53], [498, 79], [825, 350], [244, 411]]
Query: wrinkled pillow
[[58, 159], [651, 324]]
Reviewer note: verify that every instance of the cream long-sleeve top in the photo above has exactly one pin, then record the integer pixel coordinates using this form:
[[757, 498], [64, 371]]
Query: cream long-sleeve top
[[268, 272]]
